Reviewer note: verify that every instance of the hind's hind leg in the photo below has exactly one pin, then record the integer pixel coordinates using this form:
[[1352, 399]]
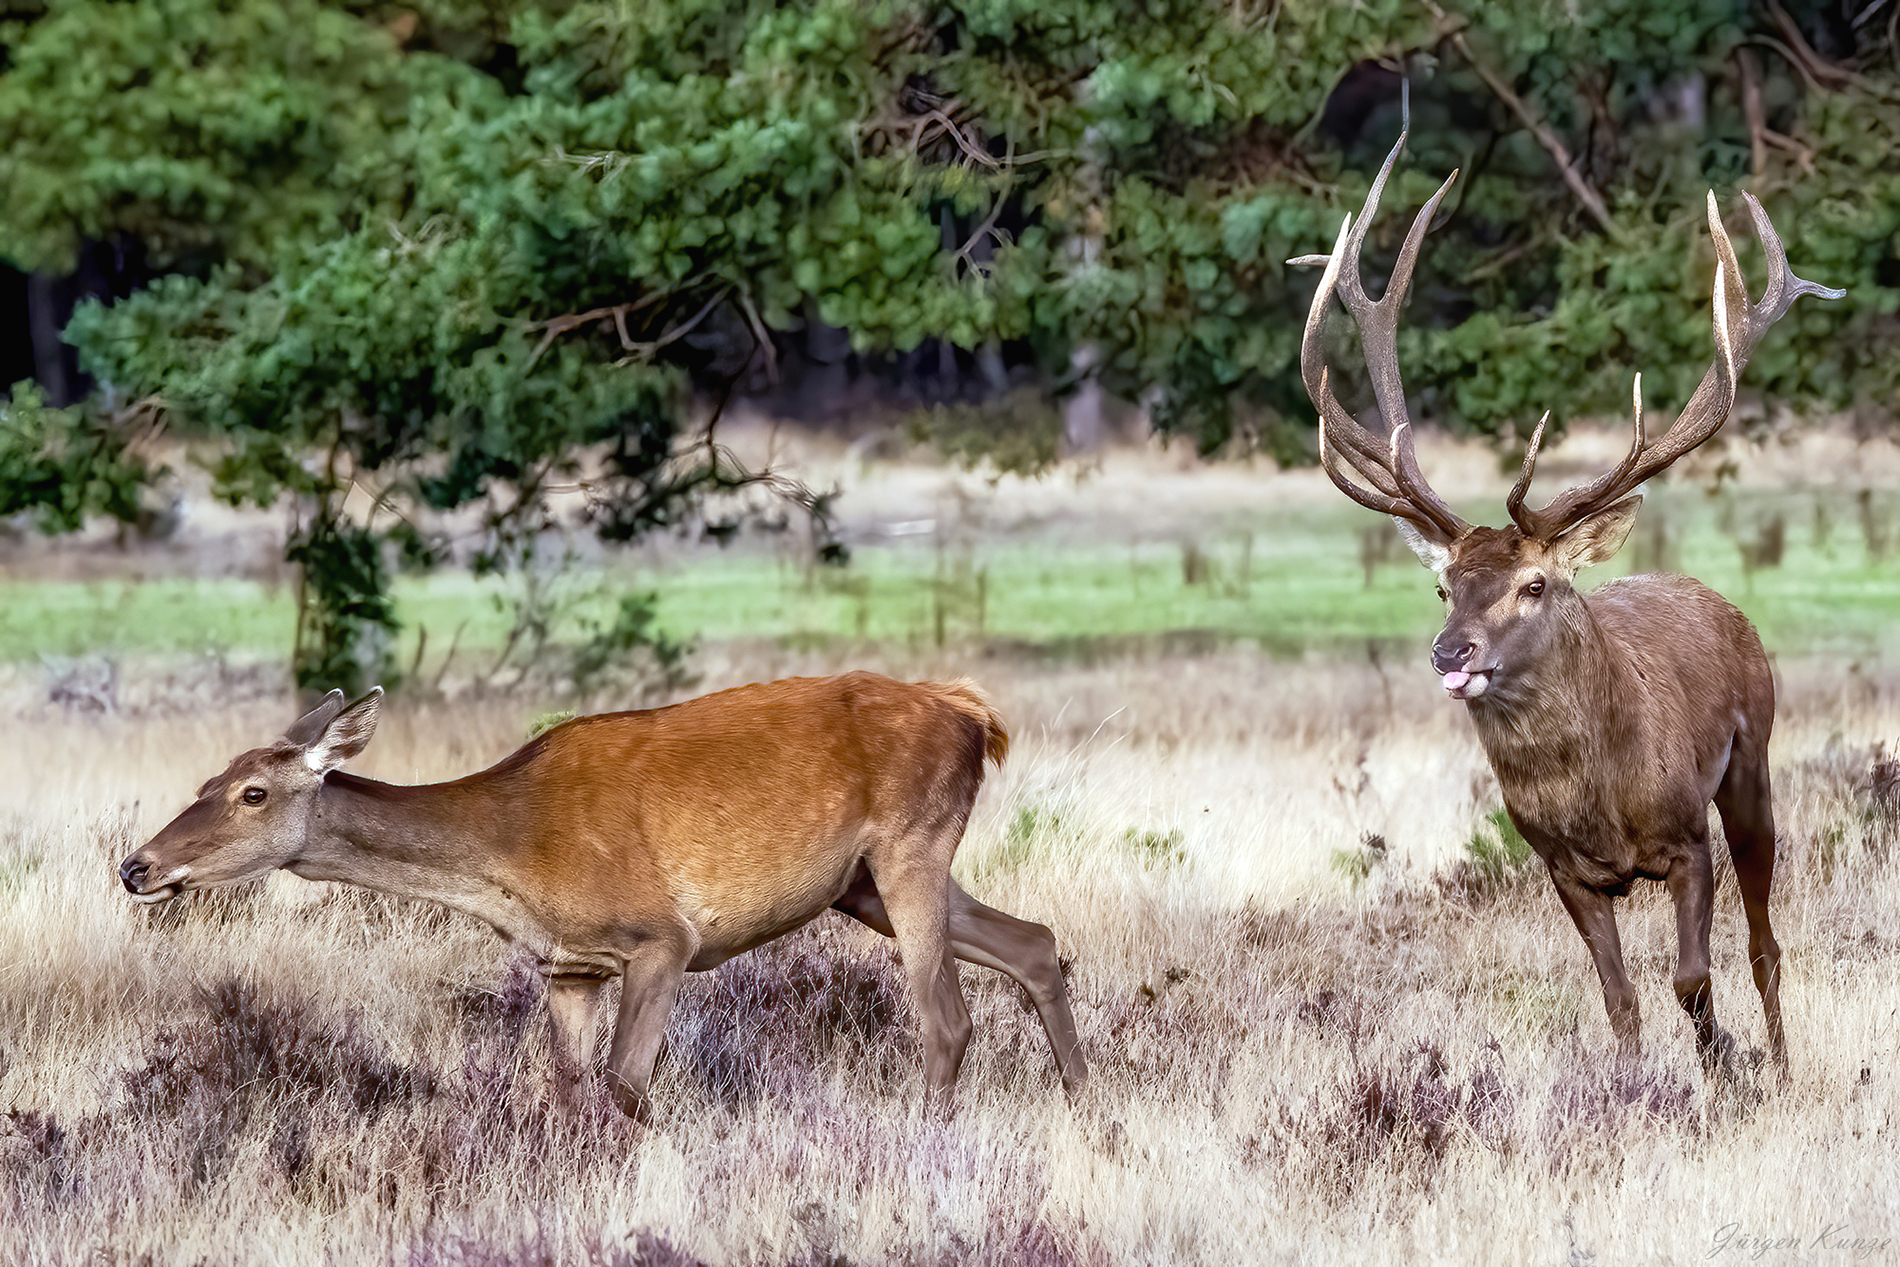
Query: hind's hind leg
[[984, 935], [1026, 952]]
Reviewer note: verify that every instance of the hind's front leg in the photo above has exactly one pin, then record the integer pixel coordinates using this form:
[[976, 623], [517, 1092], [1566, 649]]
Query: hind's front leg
[[573, 1024], [649, 983]]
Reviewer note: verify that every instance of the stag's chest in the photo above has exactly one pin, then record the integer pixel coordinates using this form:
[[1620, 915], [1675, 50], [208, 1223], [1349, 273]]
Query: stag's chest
[[1576, 813], [1604, 823]]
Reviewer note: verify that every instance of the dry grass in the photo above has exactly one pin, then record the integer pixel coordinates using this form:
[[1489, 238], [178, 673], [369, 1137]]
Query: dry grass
[[1289, 1064]]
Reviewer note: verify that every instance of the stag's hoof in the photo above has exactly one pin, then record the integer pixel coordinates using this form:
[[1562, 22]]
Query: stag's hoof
[[1718, 1054]]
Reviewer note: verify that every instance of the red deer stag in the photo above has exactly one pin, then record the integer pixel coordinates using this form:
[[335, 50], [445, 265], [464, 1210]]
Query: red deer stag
[[1611, 719], [651, 844]]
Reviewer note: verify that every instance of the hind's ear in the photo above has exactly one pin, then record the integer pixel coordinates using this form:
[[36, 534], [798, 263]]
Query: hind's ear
[[346, 735], [1435, 555], [311, 724]]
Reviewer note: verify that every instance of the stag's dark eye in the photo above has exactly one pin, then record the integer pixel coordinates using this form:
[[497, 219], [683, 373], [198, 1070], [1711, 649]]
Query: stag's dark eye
[[254, 795], [1534, 588], [1443, 597]]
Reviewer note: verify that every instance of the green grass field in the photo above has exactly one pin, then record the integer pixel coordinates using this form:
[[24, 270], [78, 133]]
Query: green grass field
[[1293, 581]]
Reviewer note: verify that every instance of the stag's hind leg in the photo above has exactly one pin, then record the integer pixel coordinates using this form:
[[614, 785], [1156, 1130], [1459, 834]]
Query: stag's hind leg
[[983, 935], [1748, 820]]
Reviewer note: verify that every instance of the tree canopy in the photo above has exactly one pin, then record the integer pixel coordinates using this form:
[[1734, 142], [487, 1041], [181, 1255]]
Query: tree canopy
[[455, 252]]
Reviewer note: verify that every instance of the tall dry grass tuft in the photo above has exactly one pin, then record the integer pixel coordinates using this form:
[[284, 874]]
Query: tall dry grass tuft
[[1292, 1062]]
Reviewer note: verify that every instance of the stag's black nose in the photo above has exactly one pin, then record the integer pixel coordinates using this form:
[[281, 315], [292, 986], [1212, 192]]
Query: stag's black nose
[[1447, 657], [132, 873]]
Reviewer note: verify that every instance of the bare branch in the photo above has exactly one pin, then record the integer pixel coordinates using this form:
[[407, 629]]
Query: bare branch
[[555, 327], [761, 337], [1816, 69], [1757, 117], [643, 351], [1591, 200]]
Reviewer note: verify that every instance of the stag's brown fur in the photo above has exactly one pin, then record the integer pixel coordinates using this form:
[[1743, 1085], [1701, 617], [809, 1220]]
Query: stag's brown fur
[[1643, 701], [648, 844], [1612, 720]]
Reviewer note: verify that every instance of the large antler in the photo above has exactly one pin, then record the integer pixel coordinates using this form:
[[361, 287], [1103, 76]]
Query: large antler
[[1390, 466], [1739, 325]]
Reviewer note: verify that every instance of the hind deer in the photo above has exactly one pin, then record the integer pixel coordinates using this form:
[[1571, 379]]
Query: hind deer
[[649, 844], [1611, 719]]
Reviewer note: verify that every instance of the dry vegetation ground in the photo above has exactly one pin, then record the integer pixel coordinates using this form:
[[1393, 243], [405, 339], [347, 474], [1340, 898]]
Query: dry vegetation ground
[[1288, 1065], [1305, 1048]]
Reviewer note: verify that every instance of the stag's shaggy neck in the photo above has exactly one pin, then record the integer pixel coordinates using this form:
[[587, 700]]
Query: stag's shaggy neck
[[1567, 718]]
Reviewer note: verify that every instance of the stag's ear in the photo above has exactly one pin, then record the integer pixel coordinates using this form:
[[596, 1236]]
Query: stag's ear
[[1599, 537], [1434, 554], [311, 724], [346, 735]]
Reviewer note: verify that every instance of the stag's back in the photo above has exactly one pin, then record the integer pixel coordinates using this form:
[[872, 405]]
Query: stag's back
[[1698, 658]]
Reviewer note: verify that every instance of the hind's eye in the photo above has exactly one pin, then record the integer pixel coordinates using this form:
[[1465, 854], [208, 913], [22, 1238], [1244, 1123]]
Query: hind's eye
[[254, 795], [1534, 588], [1443, 597]]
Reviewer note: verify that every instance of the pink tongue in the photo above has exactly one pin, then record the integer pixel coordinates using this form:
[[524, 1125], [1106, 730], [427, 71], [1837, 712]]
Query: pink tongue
[[1456, 679]]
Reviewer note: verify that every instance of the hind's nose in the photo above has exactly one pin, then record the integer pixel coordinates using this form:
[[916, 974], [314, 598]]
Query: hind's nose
[[132, 873]]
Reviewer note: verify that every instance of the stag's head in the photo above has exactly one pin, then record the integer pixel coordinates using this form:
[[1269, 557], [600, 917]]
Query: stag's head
[[255, 816], [1510, 591]]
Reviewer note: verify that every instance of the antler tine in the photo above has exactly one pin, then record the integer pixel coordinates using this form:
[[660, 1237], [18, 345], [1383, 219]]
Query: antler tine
[[1783, 286], [1372, 499], [1391, 467], [1362, 449], [1738, 326], [1514, 500], [1354, 288], [1412, 483]]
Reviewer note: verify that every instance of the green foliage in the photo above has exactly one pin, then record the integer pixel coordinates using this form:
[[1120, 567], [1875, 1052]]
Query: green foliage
[[16, 871], [1030, 832], [347, 621], [631, 646], [61, 465], [1156, 848], [545, 722], [1357, 865], [1497, 852], [1017, 433], [463, 251]]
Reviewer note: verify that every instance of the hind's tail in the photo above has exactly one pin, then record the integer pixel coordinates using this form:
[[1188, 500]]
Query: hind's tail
[[964, 696]]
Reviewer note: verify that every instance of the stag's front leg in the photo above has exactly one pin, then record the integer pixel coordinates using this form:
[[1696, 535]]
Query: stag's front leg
[[649, 983], [1594, 914], [1692, 884]]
